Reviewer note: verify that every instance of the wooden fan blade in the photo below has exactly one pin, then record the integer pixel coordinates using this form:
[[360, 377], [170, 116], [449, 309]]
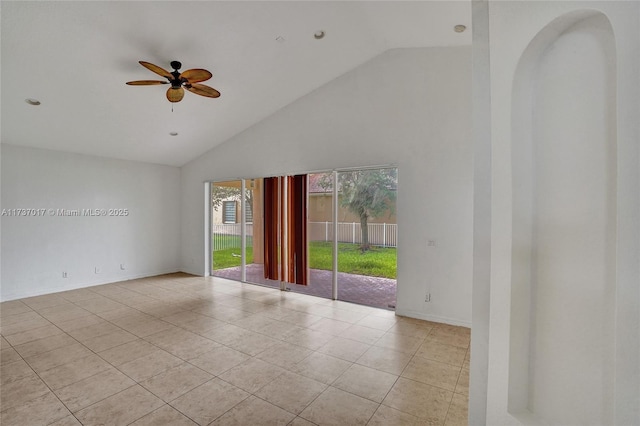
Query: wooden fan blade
[[203, 90], [196, 75], [146, 82], [156, 69], [175, 94]]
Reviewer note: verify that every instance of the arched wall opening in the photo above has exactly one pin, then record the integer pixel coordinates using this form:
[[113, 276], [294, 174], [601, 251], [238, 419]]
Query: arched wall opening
[[563, 283]]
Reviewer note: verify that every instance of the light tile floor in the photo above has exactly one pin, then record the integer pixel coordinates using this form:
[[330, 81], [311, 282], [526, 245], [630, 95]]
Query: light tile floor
[[184, 350]]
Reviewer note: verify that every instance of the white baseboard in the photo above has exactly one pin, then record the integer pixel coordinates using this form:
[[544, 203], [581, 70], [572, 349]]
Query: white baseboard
[[433, 318], [84, 284], [193, 271]]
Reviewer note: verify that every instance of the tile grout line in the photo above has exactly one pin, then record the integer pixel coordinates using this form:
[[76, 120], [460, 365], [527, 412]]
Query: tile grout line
[[48, 387], [204, 299]]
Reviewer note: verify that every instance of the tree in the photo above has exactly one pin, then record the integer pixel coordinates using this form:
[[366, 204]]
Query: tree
[[366, 193]]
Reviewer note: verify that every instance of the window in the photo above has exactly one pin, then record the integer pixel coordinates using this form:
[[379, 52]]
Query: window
[[229, 211], [249, 212]]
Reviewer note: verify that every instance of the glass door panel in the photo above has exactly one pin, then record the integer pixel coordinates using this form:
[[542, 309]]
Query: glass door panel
[[226, 229], [367, 230], [319, 236], [255, 234]]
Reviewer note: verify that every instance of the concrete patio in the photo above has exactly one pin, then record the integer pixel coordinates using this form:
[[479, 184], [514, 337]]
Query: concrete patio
[[361, 289]]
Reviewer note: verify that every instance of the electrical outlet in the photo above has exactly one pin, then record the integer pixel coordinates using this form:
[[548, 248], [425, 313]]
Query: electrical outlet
[[64, 275], [427, 297], [97, 270]]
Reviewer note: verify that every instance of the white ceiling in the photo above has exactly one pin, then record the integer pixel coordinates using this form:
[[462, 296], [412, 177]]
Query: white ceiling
[[75, 57]]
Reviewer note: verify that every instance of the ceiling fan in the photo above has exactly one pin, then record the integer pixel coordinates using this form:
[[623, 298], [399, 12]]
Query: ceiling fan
[[189, 79]]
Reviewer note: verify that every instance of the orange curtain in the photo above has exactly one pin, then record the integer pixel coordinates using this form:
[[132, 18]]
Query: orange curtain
[[271, 226], [285, 235], [297, 229]]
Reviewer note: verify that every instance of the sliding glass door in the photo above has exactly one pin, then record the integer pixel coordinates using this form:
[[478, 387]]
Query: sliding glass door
[[349, 234]]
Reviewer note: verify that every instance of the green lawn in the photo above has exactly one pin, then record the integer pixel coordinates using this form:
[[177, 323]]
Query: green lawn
[[377, 262], [230, 257]]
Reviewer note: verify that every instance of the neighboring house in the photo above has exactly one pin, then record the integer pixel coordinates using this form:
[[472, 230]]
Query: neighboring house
[[229, 212]]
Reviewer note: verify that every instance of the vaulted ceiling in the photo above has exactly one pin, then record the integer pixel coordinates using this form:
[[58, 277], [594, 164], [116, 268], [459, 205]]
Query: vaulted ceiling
[[75, 57]]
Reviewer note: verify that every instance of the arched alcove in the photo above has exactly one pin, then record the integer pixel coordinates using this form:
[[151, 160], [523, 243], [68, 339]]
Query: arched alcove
[[564, 170]]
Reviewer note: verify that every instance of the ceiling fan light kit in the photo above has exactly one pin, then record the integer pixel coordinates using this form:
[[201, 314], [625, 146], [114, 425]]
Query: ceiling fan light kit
[[189, 79]]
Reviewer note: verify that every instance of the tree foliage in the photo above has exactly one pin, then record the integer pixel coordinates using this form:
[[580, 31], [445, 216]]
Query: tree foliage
[[223, 193], [366, 193]]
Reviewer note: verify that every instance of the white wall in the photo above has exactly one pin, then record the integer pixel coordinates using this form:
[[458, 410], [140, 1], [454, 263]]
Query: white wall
[[36, 250], [408, 107], [610, 352], [564, 222]]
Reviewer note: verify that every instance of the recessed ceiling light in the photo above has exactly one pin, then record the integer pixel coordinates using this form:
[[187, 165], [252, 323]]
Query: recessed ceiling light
[[319, 35], [173, 133], [32, 101], [459, 28]]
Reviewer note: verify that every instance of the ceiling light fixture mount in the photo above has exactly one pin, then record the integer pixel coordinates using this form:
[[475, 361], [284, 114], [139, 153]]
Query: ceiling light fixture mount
[[459, 28], [319, 35]]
